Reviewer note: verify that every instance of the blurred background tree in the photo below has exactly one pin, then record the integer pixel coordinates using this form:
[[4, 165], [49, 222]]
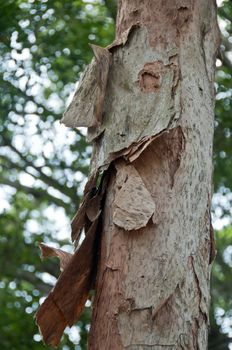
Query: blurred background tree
[[43, 165]]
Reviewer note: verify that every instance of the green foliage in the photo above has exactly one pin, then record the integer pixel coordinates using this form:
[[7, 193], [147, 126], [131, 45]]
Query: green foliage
[[223, 110], [221, 303], [43, 49]]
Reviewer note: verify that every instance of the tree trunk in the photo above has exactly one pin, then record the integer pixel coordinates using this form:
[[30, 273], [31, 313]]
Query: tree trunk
[[147, 101], [157, 246]]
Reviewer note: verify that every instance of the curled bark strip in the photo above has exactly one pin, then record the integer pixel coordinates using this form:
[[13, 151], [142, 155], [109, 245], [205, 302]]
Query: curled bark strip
[[93, 208], [133, 151], [137, 148], [47, 252], [91, 183], [86, 106], [103, 58], [122, 39], [90, 207], [79, 219], [66, 301]]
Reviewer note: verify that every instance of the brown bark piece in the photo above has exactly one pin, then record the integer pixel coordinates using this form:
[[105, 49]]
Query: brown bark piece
[[103, 58], [50, 321], [47, 252], [134, 205], [93, 209], [86, 106], [79, 219], [122, 39], [65, 303]]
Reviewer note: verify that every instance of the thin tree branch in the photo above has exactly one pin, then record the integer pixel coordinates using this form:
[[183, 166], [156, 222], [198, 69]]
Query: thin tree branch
[[30, 277], [69, 192], [36, 192], [45, 178]]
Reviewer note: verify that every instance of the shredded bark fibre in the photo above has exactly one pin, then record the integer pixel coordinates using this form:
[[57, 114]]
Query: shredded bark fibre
[[131, 147]]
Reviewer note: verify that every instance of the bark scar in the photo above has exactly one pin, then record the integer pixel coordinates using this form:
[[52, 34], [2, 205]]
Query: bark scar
[[150, 78]]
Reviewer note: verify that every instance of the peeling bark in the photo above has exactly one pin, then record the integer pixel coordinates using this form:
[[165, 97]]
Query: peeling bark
[[152, 288], [47, 251], [66, 301], [147, 101], [87, 104], [130, 193]]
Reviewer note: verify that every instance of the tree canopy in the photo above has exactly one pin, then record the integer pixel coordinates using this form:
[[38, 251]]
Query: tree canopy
[[43, 165]]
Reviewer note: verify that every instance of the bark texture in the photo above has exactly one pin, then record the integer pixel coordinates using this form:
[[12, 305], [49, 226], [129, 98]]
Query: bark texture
[[148, 102], [152, 288]]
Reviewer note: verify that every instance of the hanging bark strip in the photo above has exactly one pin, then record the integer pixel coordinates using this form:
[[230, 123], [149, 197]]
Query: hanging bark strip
[[66, 301], [47, 252], [147, 101]]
